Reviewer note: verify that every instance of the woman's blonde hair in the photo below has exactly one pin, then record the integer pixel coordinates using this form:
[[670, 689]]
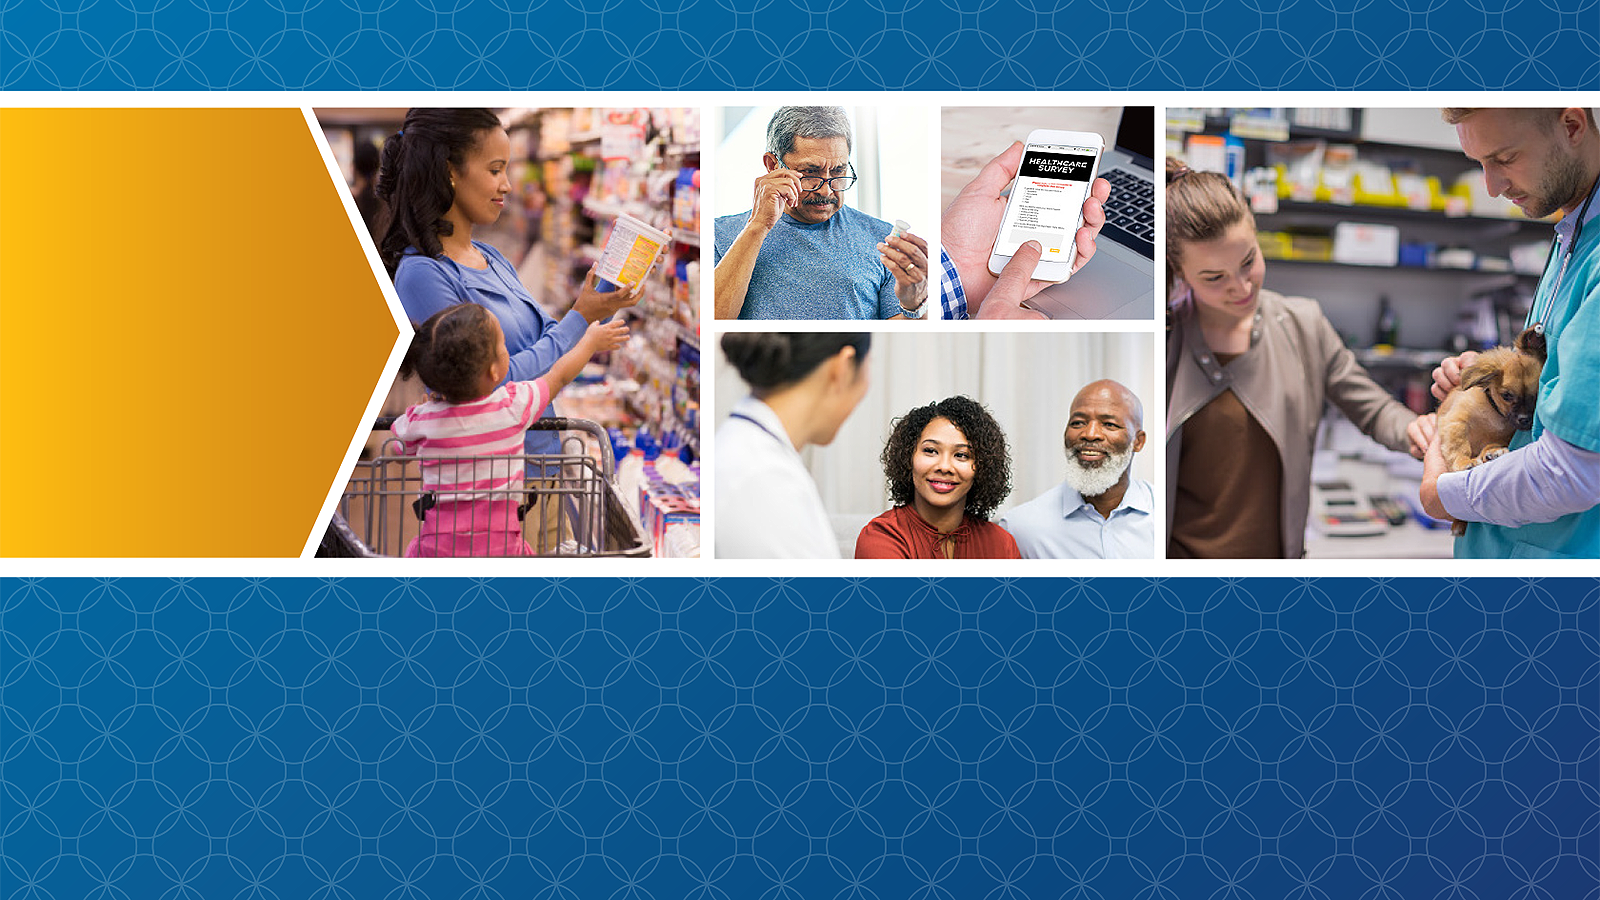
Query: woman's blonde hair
[[1200, 207]]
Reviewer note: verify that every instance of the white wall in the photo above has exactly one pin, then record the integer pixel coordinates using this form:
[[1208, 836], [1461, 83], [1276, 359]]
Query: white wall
[[1417, 127]]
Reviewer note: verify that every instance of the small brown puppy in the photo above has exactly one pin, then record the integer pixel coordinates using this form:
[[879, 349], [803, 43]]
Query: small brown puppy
[[1494, 401]]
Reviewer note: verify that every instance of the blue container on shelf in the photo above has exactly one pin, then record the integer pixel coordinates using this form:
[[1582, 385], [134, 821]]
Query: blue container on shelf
[[1416, 255]]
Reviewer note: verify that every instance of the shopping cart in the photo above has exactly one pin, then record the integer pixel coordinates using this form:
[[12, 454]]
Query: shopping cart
[[572, 509]]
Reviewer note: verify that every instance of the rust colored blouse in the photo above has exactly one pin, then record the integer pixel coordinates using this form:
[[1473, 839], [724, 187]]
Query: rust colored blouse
[[902, 534]]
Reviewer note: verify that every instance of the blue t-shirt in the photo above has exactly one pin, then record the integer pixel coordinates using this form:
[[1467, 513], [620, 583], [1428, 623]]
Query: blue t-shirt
[[829, 270]]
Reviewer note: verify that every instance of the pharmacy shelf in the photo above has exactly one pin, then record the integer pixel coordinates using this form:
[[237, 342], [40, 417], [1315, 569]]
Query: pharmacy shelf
[[1399, 358], [1510, 277], [1399, 213]]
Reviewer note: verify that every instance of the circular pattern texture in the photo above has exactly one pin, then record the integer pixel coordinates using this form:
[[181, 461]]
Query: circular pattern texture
[[820, 738], [718, 45]]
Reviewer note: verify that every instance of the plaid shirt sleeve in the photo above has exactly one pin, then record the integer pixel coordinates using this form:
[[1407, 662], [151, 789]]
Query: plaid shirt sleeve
[[952, 299]]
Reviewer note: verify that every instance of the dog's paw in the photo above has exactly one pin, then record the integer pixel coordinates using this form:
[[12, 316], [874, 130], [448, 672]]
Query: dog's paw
[[1492, 453]]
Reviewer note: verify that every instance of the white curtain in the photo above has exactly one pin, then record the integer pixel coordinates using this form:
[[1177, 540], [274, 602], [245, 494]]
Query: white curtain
[[1027, 380]]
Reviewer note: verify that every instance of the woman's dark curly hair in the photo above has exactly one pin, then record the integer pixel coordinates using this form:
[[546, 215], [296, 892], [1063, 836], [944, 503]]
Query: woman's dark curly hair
[[991, 464], [414, 177]]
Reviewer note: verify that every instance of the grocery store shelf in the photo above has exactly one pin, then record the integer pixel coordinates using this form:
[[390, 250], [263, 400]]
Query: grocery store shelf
[[689, 336]]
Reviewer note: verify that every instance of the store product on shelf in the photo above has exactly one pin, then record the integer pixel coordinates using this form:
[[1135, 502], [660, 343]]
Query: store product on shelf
[[663, 492], [1366, 244], [630, 468], [670, 464], [631, 249], [686, 294], [669, 499], [686, 199], [683, 541], [1387, 331], [622, 135]]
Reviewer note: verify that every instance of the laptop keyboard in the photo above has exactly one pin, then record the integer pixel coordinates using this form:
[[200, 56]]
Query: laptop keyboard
[[1131, 211]]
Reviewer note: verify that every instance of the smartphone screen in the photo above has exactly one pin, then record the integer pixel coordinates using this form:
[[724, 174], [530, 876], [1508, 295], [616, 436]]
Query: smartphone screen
[[1047, 200]]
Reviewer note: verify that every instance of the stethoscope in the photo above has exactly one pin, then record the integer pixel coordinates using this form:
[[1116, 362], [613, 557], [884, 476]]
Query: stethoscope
[[1536, 340], [773, 434]]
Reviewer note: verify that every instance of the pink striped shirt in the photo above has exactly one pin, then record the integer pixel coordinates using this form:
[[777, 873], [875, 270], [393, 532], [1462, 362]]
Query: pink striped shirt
[[473, 447]]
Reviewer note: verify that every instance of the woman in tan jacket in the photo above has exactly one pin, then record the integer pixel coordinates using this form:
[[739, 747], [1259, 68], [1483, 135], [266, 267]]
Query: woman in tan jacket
[[1248, 374]]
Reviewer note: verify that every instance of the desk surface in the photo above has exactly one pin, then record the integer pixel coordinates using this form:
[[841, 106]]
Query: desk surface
[[1406, 541]]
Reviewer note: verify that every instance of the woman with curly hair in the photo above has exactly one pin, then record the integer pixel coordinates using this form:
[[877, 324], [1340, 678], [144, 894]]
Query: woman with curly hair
[[948, 471]]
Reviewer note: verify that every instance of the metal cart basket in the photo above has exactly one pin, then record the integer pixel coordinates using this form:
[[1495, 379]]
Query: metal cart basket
[[570, 510]]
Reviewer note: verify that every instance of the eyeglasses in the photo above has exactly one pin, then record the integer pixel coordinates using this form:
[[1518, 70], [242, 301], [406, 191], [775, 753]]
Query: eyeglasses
[[815, 182]]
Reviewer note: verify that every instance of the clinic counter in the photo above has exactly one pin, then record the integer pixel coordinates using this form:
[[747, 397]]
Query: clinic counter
[[1408, 540]]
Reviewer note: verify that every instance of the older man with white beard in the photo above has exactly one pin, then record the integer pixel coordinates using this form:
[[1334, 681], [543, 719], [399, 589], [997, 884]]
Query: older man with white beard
[[1100, 511]]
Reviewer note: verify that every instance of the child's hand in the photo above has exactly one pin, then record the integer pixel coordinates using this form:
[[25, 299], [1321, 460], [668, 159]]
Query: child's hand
[[598, 338], [604, 336]]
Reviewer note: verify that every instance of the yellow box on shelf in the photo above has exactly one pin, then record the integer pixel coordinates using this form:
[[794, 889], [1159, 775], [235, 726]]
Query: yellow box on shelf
[[1311, 247], [1274, 244], [1382, 192]]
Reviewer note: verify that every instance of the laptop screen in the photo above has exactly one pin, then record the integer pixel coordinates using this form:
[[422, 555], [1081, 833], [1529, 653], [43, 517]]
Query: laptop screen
[[1136, 135]]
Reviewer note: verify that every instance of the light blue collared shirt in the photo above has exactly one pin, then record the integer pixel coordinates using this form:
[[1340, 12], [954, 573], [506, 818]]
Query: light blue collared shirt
[[1060, 524]]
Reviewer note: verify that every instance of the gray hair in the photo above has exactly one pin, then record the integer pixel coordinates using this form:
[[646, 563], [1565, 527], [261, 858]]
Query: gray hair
[[790, 122]]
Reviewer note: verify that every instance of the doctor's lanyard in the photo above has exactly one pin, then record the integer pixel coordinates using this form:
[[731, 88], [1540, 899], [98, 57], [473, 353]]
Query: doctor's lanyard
[[1543, 311]]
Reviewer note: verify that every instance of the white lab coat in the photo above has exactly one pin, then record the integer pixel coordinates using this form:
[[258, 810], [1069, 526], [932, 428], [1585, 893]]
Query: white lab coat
[[767, 505]]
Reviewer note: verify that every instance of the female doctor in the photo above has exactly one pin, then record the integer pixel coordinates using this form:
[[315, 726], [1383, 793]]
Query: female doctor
[[802, 388]]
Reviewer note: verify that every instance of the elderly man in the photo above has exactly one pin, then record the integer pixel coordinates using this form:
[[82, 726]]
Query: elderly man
[[1542, 499], [1100, 511], [800, 253]]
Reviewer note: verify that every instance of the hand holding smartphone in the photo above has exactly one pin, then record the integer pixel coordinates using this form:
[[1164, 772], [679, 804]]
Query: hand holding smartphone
[[1046, 202]]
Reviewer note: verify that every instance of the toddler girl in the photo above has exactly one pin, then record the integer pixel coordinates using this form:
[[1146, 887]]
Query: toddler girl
[[470, 441]]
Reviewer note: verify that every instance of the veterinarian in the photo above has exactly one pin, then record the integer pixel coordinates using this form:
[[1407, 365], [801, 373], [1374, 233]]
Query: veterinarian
[[1248, 373], [1542, 499]]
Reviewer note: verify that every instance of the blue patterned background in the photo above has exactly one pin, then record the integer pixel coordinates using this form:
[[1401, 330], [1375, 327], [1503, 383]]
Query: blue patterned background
[[883, 738], [942, 45]]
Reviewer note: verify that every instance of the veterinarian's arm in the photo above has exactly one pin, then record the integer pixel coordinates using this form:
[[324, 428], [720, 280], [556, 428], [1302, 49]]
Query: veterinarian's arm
[[1448, 373], [1541, 482]]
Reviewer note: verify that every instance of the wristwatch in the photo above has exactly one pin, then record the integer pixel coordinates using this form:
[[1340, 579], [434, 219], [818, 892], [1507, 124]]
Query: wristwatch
[[917, 313]]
